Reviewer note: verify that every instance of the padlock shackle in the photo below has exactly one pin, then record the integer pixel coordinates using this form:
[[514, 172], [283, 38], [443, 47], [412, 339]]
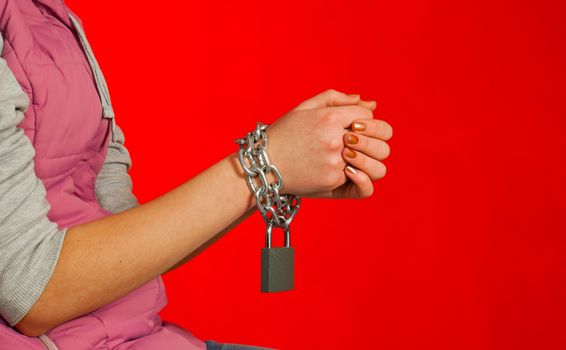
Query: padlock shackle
[[287, 237]]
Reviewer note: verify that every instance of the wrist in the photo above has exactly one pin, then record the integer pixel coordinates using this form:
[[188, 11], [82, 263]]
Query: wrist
[[264, 179]]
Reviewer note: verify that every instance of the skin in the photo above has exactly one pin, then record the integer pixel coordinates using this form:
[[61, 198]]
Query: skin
[[105, 259]]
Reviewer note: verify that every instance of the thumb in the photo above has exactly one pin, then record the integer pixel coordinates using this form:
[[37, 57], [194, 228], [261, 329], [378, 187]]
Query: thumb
[[329, 98]]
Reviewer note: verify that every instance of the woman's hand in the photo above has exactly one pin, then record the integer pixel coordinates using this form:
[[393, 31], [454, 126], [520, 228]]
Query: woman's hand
[[307, 145], [364, 151]]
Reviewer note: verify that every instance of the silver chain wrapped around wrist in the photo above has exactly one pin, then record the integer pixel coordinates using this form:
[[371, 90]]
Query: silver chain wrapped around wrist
[[277, 210]]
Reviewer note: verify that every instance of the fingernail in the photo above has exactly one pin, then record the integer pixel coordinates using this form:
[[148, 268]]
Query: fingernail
[[351, 153], [352, 139], [354, 95], [350, 169], [358, 126]]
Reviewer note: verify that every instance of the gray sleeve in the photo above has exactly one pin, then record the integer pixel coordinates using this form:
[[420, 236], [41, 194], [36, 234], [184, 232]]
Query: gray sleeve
[[113, 183], [29, 242]]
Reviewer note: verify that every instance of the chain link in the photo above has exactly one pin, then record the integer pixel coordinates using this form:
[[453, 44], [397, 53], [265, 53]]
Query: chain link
[[277, 210]]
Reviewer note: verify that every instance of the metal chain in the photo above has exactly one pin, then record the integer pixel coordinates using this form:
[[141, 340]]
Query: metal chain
[[277, 210]]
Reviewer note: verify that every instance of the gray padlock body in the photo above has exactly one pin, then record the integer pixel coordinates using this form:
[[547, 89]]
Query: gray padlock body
[[277, 269]]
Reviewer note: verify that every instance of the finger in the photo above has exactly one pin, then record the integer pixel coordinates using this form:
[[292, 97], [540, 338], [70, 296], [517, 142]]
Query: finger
[[345, 115], [369, 104], [372, 167], [329, 98], [370, 146], [361, 186], [375, 128], [372, 105]]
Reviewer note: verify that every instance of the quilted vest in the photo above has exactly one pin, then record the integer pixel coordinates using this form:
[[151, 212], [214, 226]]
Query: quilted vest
[[64, 120], [69, 125]]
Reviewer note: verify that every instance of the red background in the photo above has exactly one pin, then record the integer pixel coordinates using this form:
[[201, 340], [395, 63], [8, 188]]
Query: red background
[[462, 245]]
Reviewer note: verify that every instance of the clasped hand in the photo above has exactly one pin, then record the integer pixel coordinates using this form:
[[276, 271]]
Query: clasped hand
[[330, 146]]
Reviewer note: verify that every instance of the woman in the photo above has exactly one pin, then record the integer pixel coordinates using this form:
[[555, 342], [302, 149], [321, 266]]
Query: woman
[[80, 259]]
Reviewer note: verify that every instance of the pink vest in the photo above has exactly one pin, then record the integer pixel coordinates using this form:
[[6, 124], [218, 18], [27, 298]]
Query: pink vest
[[65, 123]]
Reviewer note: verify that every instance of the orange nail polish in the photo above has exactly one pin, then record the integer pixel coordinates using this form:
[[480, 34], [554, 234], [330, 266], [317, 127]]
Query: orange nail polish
[[350, 169], [358, 126], [352, 139], [351, 153]]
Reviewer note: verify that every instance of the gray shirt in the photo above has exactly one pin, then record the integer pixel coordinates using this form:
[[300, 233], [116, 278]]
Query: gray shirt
[[29, 242]]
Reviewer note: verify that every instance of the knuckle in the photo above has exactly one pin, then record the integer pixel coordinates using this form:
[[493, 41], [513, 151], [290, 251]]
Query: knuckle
[[329, 180], [334, 143], [329, 94], [328, 116], [335, 162], [363, 142], [384, 129], [332, 172], [369, 192], [362, 112], [338, 178], [380, 171], [361, 161], [389, 130], [330, 165], [384, 150]]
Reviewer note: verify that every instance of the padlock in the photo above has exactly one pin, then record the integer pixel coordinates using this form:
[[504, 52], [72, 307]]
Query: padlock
[[277, 264]]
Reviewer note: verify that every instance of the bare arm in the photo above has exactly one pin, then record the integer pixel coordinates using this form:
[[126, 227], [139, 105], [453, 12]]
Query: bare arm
[[114, 188], [229, 228], [105, 259]]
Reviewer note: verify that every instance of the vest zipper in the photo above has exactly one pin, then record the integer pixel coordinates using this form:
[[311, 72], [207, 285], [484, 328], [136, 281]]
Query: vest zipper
[[49, 344]]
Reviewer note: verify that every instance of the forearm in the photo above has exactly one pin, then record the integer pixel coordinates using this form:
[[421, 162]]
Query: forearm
[[229, 228], [105, 259]]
